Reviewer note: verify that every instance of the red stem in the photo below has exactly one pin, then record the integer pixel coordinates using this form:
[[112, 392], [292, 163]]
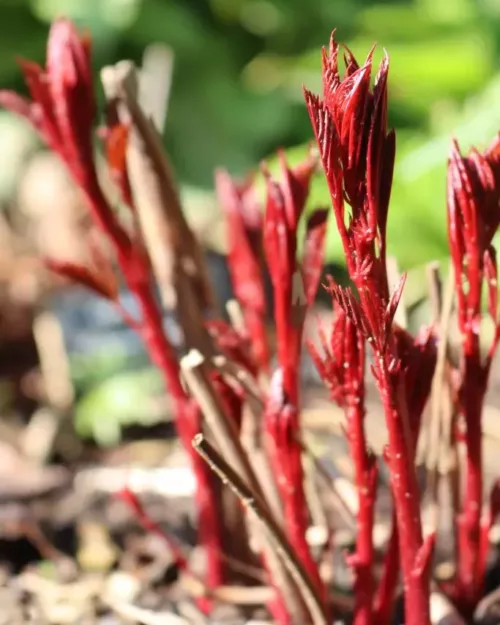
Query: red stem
[[286, 460], [406, 495], [257, 332], [470, 577], [286, 452], [365, 479], [384, 599], [386, 592], [188, 424], [136, 271]]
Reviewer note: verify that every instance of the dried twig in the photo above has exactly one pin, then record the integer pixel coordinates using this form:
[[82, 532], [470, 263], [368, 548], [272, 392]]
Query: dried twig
[[175, 254], [54, 362], [439, 390], [194, 368], [486, 604], [223, 430], [39, 435], [346, 505], [155, 83], [258, 509]]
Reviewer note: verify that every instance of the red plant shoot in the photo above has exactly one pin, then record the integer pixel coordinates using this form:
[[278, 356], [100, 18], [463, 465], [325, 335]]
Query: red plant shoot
[[473, 219], [357, 153], [244, 223], [285, 205], [62, 109], [342, 368]]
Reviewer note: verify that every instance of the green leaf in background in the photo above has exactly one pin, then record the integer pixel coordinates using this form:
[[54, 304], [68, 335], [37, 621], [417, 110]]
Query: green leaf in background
[[128, 398], [88, 369]]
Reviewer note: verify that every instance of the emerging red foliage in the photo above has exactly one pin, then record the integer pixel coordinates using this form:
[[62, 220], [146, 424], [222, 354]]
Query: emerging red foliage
[[342, 367], [62, 109], [473, 219], [285, 204], [244, 223], [357, 153]]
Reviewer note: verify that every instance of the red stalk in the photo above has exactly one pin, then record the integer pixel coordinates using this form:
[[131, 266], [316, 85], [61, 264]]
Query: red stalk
[[149, 525], [285, 204], [383, 607], [470, 574], [366, 483], [473, 219], [342, 368], [62, 110], [244, 223], [419, 358], [414, 552], [357, 154]]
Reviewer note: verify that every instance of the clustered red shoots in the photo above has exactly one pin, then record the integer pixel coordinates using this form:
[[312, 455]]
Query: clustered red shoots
[[237, 411]]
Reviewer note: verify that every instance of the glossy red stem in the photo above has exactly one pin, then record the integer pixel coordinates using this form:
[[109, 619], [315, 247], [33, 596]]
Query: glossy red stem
[[419, 360], [284, 206], [406, 495], [342, 367], [286, 460], [257, 332], [384, 602], [365, 474], [188, 424], [62, 110], [470, 572], [473, 219]]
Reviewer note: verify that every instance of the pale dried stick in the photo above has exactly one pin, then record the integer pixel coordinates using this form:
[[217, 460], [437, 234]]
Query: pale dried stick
[[317, 508], [259, 511], [39, 435], [435, 288], [439, 388], [176, 257], [249, 385], [226, 437], [194, 369], [251, 429], [345, 498], [155, 82], [54, 361], [236, 316], [237, 319]]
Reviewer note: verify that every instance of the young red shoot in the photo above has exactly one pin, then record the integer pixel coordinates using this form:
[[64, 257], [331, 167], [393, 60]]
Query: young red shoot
[[473, 219], [294, 287], [62, 110], [342, 368], [357, 153]]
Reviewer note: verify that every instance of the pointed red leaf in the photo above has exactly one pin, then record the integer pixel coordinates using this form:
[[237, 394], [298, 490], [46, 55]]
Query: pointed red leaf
[[80, 274], [312, 263], [116, 142], [17, 104], [394, 303]]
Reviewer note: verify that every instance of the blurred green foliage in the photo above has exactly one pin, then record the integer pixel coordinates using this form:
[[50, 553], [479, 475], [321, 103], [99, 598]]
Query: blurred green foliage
[[240, 66], [125, 398]]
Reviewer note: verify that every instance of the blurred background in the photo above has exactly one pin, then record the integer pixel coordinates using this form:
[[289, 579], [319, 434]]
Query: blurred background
[[236, 95], [240, 66]]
